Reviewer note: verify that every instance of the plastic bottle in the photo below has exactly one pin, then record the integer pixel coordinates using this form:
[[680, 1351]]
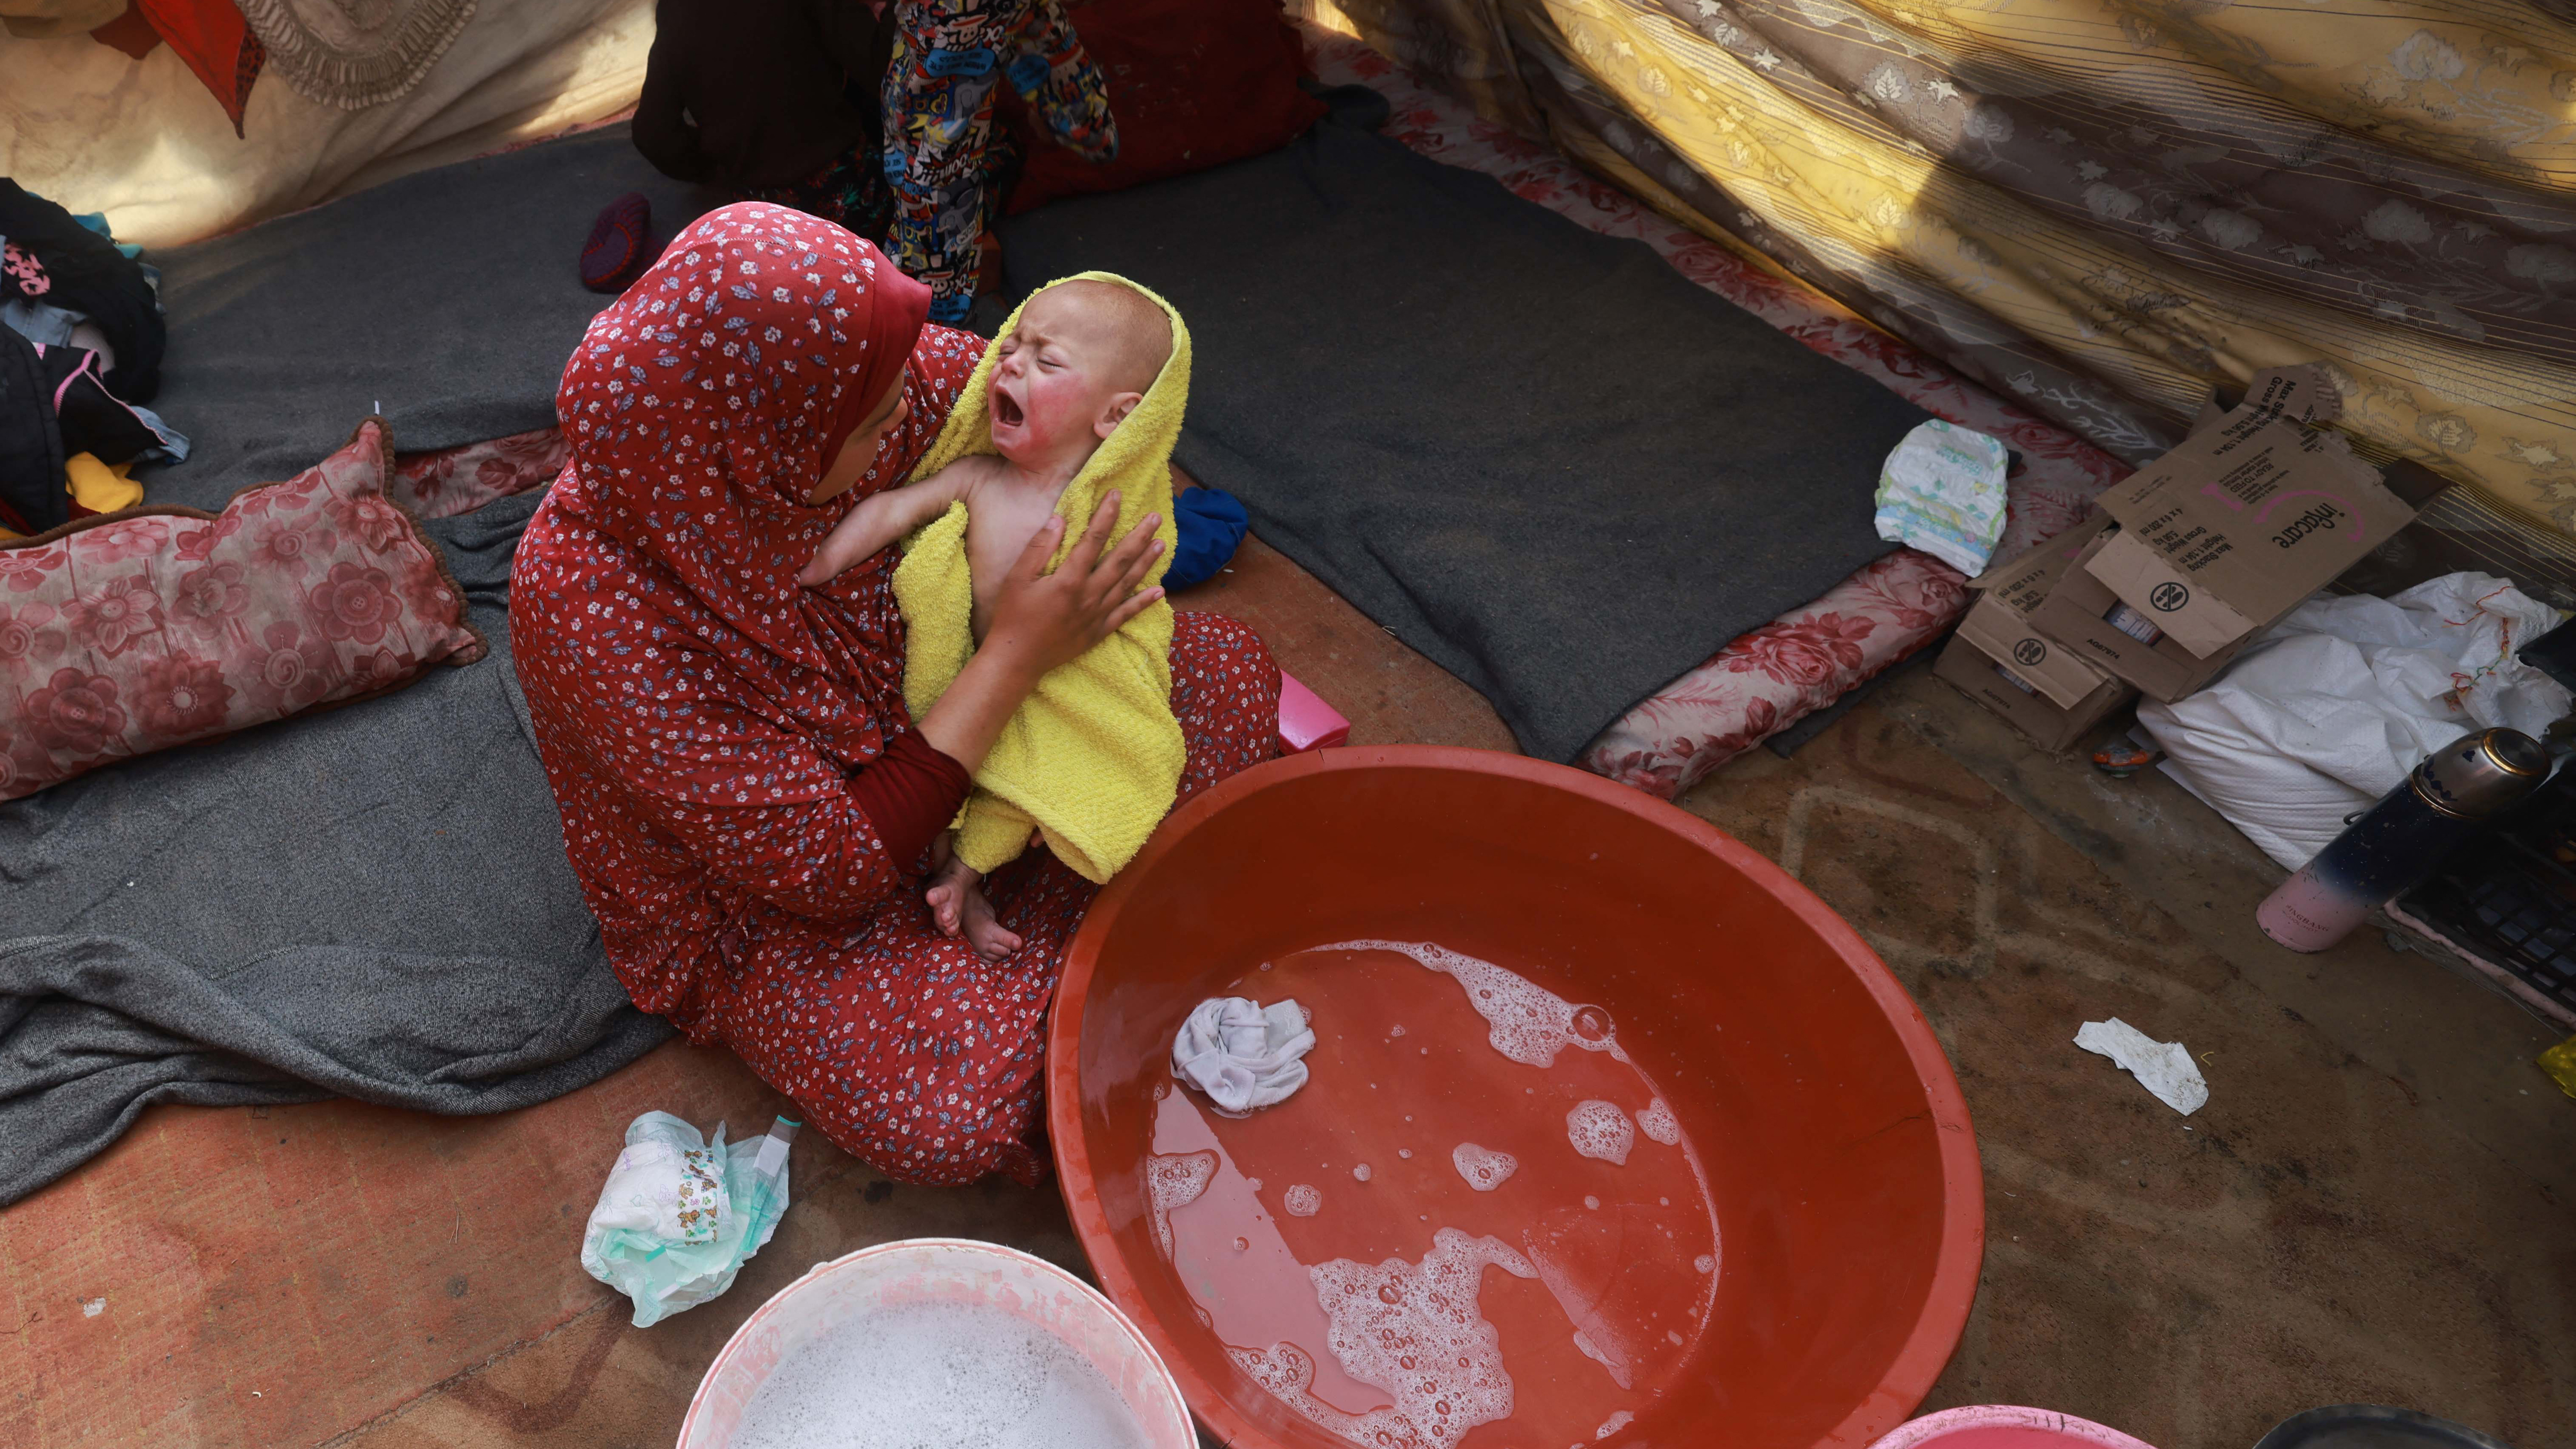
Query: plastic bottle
[[2446, 801]]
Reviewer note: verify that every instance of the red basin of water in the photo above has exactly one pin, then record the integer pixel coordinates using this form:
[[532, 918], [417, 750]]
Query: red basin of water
[[1614, 1133]]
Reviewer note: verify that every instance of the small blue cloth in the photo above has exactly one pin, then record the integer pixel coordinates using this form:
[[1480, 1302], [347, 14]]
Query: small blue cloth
[[97, 221], [1211, 523]]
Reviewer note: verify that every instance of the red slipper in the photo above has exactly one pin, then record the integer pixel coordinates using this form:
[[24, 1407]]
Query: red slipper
[[621, 245]]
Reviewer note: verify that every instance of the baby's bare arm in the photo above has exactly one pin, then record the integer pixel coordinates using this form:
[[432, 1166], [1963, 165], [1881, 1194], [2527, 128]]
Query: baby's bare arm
[[879, 520]]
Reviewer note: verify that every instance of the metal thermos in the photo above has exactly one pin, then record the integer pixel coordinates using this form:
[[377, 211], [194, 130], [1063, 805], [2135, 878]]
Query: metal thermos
[[2448, 799]]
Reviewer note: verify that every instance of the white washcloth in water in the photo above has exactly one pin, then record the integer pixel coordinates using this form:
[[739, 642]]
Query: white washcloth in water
[[1242, 1054]]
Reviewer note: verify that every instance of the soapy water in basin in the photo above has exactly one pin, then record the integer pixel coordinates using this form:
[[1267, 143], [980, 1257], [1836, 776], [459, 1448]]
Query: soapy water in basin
[[1379, 1321], [1173, 1180], [1414, 1329], [1658, 1123], [1483, 1168], [1525, 1021], [1600, 1130], [951, 1375]]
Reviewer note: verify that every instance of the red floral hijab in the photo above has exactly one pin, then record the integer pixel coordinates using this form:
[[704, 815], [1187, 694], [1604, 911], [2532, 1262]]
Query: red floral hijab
[[703, 407]]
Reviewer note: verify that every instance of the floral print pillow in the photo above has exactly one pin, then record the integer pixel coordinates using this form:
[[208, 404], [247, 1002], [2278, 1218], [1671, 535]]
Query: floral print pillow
[[135, 631]]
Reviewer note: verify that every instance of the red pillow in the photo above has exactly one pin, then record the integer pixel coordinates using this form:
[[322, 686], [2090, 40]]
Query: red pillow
[[1192, 83], [156, 626]]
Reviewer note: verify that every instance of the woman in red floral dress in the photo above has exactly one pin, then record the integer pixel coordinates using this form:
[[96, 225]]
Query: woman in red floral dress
[[744, 796]]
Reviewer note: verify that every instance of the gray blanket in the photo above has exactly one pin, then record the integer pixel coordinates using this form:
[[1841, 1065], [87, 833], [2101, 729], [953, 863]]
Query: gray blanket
[[449, 298], [372, 902], [1538, 454]]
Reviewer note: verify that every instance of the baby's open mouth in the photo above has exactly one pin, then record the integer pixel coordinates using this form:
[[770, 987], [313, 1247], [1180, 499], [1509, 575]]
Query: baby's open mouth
[[1006, 411]]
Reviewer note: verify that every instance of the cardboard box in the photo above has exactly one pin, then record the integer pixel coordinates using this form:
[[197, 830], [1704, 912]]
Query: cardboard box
[[2015, 694], [2003, 661], [2228, 532], [2081, 611], [2022, 583], [2060, 675]]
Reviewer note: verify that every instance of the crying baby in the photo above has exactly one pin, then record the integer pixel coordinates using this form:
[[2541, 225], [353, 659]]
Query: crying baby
[[1081, 359]]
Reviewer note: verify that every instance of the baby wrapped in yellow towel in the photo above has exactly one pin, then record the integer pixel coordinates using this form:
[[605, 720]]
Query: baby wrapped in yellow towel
[[1083, 394]]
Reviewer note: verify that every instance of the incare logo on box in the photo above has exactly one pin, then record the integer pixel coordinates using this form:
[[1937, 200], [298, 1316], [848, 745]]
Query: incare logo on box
[[2228, 532]]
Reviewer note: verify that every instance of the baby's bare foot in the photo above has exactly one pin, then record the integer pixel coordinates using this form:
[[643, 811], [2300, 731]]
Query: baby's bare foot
[[943, 898], [951, 881], [983, 931]]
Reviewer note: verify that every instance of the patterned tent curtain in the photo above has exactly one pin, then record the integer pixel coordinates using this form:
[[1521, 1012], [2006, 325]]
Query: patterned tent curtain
[[355, 53], [2104, 208]]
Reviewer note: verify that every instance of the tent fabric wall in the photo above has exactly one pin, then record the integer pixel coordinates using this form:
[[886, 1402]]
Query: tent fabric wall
[[142, 141], [2101, 208]]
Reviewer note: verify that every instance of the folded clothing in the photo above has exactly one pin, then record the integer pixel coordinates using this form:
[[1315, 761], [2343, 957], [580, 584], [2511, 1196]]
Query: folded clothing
[[1244, 1055]]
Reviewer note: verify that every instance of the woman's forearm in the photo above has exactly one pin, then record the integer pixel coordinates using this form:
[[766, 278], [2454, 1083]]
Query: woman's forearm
[[969, 717]]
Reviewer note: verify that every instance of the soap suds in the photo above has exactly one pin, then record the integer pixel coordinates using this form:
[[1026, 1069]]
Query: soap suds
[[1302, 1200], [1418, 1332], [936, 1373], [1484, 1168], [1601, 1131], [1524, 1020], [1174, 1180], [1657, 1121], [1618, 1367]]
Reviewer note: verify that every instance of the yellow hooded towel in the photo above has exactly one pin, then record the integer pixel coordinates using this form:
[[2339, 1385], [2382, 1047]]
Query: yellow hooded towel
[[1093, 758]]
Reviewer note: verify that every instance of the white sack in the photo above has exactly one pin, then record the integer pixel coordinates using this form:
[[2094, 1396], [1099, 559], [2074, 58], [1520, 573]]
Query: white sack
[[2333, 707]]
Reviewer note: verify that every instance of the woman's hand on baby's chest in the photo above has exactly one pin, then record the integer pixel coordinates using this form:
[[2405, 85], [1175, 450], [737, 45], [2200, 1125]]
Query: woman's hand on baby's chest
[[1002, 515]]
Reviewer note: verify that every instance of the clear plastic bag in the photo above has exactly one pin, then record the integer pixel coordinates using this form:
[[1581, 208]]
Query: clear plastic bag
[[679, 1215]]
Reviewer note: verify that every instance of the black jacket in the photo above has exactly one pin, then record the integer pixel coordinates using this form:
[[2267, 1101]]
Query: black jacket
[[89, 275], [756, 93]]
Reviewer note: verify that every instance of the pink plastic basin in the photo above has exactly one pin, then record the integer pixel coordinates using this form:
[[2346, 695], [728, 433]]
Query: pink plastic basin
[[2006, 1426], [938, 1270]]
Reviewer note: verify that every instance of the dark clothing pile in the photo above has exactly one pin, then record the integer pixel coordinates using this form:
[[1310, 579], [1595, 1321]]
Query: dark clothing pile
[[745, 95], [63, 283], [64, 264]]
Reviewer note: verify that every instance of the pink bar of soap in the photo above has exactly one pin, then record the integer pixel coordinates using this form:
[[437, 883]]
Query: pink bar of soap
[[1305, 721]]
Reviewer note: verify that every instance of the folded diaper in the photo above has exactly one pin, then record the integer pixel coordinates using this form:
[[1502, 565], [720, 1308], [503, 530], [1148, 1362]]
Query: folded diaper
[[1242, 1054], [1942, 491]]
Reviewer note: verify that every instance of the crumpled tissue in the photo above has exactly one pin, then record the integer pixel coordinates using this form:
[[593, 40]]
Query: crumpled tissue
[[1243, 1055], [679, 1215], [2162, 1067], [1942, 491]]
